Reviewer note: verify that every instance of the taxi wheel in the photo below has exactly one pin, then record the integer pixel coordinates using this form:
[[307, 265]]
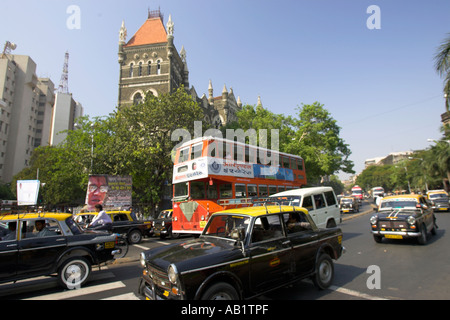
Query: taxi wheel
[[324, 272], [221, 291], [74, 272], [134, 237], [422, 239]]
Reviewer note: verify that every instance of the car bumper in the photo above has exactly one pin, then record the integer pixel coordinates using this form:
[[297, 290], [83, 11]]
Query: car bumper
[[396, 234], [159, 232], [150, 291]]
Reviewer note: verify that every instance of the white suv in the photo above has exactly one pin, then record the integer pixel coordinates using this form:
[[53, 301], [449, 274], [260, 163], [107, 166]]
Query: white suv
[[321, 203]]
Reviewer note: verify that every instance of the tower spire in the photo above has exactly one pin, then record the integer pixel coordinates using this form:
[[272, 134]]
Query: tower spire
[[64, 82]]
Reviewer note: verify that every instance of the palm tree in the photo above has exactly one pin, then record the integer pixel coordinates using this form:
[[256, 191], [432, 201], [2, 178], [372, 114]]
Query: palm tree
[[442, 66]]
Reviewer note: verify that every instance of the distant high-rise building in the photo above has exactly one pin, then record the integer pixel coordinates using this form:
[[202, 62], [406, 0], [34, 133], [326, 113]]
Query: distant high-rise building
[[66, 109], [26, 105]]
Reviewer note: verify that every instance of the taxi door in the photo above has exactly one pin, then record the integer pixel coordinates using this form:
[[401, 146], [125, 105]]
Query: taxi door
[[8, 254], [38, 254], [270, 254]]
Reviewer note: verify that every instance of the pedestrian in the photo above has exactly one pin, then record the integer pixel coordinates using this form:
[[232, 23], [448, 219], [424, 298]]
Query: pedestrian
[[101, 221]]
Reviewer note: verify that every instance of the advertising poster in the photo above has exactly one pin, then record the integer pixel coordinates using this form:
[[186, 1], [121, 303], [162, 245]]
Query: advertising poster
[[109, 191], [27, 192]]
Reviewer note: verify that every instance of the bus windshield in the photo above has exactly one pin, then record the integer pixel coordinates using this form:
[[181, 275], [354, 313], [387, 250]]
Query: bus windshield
[[181, 190]]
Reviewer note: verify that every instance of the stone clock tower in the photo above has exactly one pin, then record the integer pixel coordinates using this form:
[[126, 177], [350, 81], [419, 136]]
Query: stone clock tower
[[149, 61], [150, 64]]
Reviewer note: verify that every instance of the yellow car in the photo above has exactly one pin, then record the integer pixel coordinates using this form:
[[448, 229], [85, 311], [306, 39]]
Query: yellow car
[[439, 200], [123, 223], [39, 244], [243, 253], [403, 216]]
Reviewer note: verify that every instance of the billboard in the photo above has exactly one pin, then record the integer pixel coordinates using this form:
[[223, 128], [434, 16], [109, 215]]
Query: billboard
[[109, 191]]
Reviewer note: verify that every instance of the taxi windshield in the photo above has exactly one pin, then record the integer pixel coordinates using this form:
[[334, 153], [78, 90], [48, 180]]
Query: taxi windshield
[[230, 227], [396, 204], [437, 196], [347, 200], [164, 215]]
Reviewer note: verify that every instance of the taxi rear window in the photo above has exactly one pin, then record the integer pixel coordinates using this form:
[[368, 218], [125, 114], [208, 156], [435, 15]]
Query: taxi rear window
[[73, 226]]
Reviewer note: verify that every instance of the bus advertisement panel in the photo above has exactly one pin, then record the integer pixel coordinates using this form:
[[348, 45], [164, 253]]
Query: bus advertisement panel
[[206, 180]]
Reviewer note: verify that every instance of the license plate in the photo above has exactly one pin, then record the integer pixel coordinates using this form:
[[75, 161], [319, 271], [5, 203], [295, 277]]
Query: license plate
[[443, 209], [203, 224], [109, 245], [393, 236]]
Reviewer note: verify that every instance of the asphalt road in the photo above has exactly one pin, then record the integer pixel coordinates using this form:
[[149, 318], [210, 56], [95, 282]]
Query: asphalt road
[[401, 268]]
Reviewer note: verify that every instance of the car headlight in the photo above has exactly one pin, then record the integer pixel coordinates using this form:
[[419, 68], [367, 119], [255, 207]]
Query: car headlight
[[411, 220], [373, 219], [142, 259], [172, 273], [162, 224]]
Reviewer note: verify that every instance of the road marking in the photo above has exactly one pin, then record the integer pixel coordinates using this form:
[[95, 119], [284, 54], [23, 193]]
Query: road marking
[[140, 247], [355, 293], [126, 296], [79, 292]]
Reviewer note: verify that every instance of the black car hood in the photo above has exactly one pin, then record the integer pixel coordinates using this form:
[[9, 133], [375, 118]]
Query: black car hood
[[193, 254], [395, 214]]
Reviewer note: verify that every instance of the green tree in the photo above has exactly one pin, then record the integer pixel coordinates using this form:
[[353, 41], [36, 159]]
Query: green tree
[[442, 66], [317, 139], [61, 180]]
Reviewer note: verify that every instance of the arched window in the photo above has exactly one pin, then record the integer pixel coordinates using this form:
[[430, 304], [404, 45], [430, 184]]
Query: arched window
[[131, 70], [158, 70], [140, 69], [149, 68], [137, 98]]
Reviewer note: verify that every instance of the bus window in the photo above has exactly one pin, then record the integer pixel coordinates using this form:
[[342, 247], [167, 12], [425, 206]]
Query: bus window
[[212, 149], [211, 191], [227, 151], [250, 154], [240, 191], [238, 153], [196, 151], [226, 191], [252, 190], [184, 155], [285, 162], [181, 189], [198, 190], [300, 164], [272, 189], [263, 191]]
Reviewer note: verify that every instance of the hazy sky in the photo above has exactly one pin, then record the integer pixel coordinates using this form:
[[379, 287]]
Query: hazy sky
[[379, 84]]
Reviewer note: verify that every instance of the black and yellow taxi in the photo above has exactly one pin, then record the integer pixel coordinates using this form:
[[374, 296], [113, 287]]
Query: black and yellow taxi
[[243, 253], [403, 216], [162, 226], [123, 222], [349, 204], [39, 244], [439, 200]]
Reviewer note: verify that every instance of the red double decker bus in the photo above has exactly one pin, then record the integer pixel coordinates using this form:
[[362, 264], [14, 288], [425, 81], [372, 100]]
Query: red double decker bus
[[212, 174]]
